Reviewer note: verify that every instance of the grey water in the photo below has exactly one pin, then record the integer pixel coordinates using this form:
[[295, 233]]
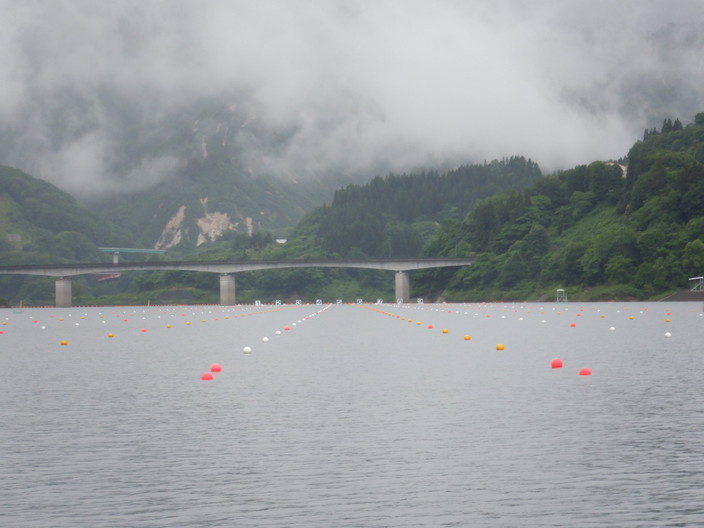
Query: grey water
[[353, 416]]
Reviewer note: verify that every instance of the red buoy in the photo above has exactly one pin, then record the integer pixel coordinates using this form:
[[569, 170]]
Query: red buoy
[[585, 372], [215, 367], [556, 363], [207, 376], [573, 325]]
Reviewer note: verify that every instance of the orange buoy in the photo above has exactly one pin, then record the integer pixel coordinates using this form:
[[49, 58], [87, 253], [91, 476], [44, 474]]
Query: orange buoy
[[63, 342], [467, 338], [445, 330], [111, 335], [585, 372], [556, 363], [500, 347], [215, 367], [206, 376]]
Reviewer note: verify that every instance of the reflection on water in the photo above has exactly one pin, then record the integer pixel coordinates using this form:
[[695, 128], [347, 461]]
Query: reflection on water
[[354, 416]]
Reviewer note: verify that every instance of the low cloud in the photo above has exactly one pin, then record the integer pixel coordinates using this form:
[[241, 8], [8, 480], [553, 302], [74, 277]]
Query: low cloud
[[92, 94]]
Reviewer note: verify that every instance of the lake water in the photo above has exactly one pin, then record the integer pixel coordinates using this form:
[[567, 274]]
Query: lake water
[[355, 416]]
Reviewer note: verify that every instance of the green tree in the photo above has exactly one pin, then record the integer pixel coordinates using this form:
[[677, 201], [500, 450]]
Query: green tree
[[693, 258]]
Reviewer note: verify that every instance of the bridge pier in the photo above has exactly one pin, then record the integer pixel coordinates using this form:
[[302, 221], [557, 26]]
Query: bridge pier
[[63, 293], [403, 286], [227, 289]]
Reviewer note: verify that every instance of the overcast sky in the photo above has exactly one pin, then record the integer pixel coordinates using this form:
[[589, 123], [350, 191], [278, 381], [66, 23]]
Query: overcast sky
[[359, 84]]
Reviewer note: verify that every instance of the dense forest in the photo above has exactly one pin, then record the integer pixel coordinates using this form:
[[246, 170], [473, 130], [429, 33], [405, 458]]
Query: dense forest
[[393, 216], [592, 229], [632, 229]]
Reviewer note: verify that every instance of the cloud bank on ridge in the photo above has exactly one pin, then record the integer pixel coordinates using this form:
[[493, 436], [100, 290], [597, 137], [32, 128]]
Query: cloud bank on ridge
[[88, 88]]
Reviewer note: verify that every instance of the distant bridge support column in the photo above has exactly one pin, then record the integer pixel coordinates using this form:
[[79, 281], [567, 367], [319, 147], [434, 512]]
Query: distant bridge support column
[[227, 289], [63, 293], [403, 286]]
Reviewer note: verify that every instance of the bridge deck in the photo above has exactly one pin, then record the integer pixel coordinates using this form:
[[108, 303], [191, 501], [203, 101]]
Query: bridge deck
[[232, 266]]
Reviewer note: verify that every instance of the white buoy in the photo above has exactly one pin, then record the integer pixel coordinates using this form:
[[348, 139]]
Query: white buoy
[[247, 350], [668, 334], [278, 332], [612, 328], [265, 339]]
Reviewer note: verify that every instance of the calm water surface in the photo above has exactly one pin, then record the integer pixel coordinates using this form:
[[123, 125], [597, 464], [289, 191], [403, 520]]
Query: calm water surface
[[356, 416]]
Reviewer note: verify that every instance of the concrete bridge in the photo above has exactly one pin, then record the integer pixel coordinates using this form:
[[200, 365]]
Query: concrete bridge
[[227, 268]]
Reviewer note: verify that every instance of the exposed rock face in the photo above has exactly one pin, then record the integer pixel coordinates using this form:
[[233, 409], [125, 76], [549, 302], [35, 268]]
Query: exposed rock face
[[211, 226], [172, 234]]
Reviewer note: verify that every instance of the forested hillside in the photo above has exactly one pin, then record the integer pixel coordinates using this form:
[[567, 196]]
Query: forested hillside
[[632, 229], [394, 216], [40, 223], [592, 229], [210, 174]]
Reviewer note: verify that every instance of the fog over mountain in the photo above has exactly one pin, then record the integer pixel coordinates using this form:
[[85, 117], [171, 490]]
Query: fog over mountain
[[95, 95]]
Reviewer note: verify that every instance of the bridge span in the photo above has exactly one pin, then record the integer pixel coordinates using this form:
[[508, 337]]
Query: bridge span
[[227, 269]]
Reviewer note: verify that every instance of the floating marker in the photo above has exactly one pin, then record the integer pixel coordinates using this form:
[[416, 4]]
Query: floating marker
[[668, 334], [467, 338], [265, 339], [430, 326], [500, 347], [63, 342], [207, 376], [287, 328], [215, 367], [247, 350], [144, 330], [572, 325], [111, 335], [445, 330], [585, 372], [556, 363], [612, 328]]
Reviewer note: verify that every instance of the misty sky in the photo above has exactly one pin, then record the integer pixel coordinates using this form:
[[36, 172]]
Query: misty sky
[[356, 85]]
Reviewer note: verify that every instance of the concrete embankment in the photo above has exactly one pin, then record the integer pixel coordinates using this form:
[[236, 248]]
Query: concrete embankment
[[685, 295]]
